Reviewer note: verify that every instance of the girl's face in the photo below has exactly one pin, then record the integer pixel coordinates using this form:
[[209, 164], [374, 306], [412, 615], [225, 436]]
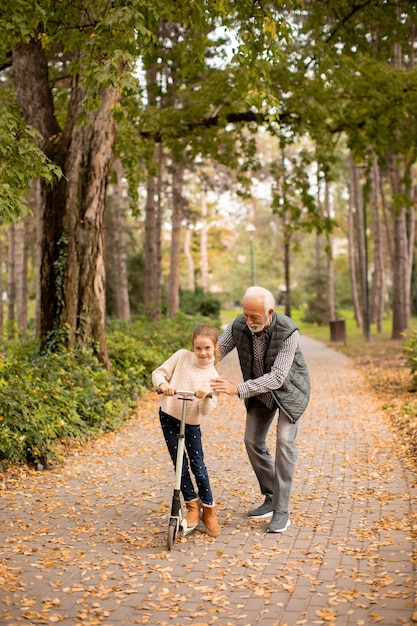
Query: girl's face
[[204, 349]]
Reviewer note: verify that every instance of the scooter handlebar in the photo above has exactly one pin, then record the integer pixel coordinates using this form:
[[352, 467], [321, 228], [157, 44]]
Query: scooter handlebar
[[186, 393]]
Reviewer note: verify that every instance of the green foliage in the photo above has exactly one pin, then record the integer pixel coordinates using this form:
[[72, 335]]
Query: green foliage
[[21, 161], [48, 400], [21, 20], [198, 302]]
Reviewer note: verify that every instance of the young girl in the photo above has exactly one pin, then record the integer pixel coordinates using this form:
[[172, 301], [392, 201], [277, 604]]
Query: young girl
[[191, 371]]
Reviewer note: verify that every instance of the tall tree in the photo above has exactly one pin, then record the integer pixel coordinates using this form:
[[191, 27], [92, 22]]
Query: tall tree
[[331, 308], [351, 50], [354, 251], [70, 56], [11, 276], [198, 92], [378, 284], [73, 264], [177, 177]]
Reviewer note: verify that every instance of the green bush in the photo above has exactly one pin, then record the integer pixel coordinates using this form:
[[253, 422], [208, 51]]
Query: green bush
[[199, 302], [49, 399]]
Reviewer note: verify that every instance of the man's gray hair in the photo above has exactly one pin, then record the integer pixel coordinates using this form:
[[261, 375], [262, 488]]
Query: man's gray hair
[[260, 293]]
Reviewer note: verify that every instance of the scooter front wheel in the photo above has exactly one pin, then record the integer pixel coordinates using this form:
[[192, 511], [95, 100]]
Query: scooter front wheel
[[172, 533]]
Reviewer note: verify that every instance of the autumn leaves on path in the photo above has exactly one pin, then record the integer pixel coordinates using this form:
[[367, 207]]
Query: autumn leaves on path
[[85, 543]]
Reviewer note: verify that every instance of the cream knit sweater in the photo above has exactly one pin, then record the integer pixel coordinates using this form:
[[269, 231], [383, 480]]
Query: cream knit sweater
[[183, 371]]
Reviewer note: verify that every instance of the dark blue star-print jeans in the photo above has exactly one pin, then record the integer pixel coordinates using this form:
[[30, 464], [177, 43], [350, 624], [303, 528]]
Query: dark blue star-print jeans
[[193, 458]]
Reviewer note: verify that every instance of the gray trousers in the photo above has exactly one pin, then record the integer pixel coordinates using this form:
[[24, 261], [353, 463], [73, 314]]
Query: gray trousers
[[274, 478]]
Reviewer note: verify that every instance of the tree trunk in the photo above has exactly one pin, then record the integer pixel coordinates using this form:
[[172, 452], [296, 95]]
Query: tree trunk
[[21, 315], [378, 283], [386, 220], [352, 260], [361, 247], [119, 237], [39, 231], [320, 306], [33, 232], [399, 310], [27, 239], [11, 280], [287, 239], [403, 238], [153, 218], [189, 259], [203, 239], [287, 298], [72, 280], [72, 266], [175, 258], [400, 269], [331, 309], [411, 223], [152, 288]]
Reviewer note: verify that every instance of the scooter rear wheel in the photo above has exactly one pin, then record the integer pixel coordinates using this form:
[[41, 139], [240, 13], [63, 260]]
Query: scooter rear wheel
[[172, 534]]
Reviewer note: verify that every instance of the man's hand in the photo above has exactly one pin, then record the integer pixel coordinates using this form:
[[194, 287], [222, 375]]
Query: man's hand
[[220, 385]]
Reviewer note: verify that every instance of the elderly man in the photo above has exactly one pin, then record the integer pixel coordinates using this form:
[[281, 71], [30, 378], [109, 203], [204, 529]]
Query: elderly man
[[275, 378]]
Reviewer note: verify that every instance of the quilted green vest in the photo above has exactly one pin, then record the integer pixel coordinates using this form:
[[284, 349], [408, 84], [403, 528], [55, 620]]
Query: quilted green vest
[[293, 396]]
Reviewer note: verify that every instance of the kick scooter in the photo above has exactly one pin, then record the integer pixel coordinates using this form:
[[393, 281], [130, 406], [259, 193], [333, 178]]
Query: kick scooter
[[175, 520]]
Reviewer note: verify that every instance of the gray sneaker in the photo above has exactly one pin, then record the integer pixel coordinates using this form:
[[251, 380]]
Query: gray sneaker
[[263, 511], [279, 522]]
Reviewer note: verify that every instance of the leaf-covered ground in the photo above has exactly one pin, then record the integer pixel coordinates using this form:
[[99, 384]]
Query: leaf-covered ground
[[385, 367], [85, 543]]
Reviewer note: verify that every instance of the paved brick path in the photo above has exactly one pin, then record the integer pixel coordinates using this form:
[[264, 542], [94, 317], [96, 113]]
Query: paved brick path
[[85, 543]]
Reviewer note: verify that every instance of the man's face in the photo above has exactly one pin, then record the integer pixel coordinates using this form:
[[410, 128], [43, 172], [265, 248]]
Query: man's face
[[255, 316]]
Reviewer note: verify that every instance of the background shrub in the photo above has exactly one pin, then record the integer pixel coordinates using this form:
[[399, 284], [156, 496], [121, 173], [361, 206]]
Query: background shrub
[[48, 400], [199, 302]]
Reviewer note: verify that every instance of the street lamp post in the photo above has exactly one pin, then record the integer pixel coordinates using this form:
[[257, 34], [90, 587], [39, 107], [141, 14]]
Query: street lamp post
[[250, 229]]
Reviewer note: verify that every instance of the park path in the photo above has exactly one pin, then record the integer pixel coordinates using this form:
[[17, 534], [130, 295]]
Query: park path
[[85, 543]]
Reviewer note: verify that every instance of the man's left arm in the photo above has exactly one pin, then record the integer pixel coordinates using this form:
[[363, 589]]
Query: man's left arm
[[272, 380], [226, 342], [279, 371]]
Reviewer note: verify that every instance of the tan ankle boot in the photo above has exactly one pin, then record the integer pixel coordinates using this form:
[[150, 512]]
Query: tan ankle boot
[[210, 521], [192, 517]]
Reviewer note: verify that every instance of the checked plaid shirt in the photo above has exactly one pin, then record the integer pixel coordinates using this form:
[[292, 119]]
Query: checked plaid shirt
[[262, 383]]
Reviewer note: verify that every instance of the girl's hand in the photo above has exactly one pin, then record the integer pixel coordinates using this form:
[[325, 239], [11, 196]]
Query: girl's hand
[[166, 389], [201, 394]]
